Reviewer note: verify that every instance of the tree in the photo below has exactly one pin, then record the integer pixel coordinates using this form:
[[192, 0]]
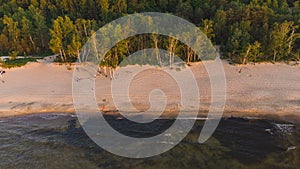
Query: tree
[[55, 43], [172, 45], [234, 24], [39, 29], [73, 49], [63, 38], [238, 40], [26, 32], [4, 45], [184, 9], [207, 28], [187, 50], [67, 37], [119, 7], [252, 53], [282, 39], [220, 27], [12, 32], [155, 43], [104, 8]]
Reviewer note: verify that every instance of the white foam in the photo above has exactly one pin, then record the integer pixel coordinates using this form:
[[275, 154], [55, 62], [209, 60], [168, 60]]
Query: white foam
[[284, 128], [73, 115], [168, 135], [166, 142], [186, 118], [252, 118], [291, 148], [51, 116]]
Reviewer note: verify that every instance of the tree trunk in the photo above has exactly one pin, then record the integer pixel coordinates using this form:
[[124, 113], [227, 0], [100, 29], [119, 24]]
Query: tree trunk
[[64, 55], [78, 56], [172, 47], [61, 55], [105, 70], [32, 42], [95, 46], [85, 32], [246, 55], [290, 41], [275, 55], [155, 40], [170, 59]]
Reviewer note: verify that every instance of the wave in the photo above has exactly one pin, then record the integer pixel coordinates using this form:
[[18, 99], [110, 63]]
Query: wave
[[285, 129]]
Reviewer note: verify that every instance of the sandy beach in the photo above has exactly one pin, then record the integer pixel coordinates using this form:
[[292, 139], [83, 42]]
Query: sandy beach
[[252, 90]]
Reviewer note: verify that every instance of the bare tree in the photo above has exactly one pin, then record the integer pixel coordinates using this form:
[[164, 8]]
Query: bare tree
[[172, 48], [155, 41]]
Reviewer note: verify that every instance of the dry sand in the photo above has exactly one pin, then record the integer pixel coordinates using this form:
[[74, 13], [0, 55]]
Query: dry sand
[[252, 90]]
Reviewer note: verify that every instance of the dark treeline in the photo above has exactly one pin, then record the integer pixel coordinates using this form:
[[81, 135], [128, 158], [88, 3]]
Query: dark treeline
[[246, 30]]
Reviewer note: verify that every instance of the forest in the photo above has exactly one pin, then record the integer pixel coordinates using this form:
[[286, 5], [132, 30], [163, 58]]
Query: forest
[[246, 30]]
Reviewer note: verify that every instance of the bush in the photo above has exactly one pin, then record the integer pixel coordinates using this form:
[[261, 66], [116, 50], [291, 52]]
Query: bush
[[68, 60], [13, 55], [10, 63]]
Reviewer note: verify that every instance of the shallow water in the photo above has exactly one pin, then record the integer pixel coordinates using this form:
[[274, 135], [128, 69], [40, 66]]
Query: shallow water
[[57, 141]]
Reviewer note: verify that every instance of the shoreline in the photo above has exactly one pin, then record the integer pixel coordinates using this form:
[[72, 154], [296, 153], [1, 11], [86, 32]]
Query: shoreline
[[276, 119], [289, 118]]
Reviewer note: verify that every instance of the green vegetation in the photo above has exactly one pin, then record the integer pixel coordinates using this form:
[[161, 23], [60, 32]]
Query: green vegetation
[[247, 30], [10, 63]]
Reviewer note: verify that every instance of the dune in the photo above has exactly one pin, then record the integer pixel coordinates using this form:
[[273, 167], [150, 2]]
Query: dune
[[252, 90]]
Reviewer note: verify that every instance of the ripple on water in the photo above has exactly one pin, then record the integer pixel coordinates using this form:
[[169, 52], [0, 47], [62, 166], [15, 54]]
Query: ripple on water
[[57, 141]]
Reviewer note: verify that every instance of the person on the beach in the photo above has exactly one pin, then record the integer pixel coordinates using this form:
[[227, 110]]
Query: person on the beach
[[1, 75]]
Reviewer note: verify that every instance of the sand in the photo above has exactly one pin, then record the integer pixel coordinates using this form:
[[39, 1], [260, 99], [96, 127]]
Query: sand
[[252, 90]]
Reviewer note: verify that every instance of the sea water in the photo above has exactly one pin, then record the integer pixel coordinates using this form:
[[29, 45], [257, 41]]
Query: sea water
[[57, 141]]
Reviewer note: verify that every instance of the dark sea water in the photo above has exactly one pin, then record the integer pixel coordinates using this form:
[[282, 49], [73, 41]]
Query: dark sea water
[[57, 141]]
